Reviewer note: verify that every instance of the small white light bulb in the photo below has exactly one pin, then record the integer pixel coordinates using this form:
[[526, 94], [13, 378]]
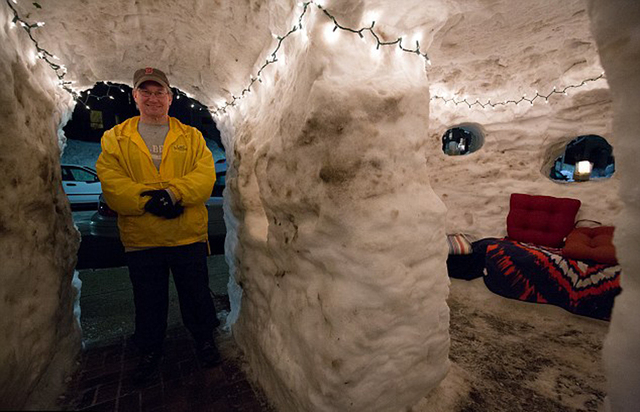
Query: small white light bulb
[[376, 52], [331, 34], [370, 17], [416, 38], [399, 48]]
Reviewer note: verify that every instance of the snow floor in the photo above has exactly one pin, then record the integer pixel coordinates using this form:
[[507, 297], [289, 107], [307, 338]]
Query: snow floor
[[507, 355]]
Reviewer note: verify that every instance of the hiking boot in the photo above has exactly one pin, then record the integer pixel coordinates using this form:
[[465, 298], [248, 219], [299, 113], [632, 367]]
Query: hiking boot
[[148, 367], [208, 353]]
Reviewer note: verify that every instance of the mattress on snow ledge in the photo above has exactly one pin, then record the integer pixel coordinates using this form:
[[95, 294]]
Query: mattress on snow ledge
[[540, 274]]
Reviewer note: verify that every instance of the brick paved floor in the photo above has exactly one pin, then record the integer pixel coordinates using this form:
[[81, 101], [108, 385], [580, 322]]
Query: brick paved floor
[[103, 381]]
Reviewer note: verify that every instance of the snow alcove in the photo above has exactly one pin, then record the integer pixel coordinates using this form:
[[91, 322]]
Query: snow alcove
[[339, 196]]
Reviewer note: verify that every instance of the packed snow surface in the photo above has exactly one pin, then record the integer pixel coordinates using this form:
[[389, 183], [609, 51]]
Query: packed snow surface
[[39, 334], [339, 196], [342, 307]]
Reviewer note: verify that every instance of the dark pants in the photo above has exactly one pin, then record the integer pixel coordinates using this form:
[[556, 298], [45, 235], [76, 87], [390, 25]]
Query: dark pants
[[149, 273]]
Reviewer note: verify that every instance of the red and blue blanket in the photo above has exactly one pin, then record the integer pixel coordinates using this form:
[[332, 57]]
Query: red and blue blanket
[[533, 273]]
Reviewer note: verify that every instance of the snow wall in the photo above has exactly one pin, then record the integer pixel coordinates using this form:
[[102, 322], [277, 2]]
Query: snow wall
[[615, 27], [38, 242], [520, 140], [273, 164], [340, 261]]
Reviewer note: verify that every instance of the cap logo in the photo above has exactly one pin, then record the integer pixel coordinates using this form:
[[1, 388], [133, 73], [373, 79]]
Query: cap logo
[[148, 70]]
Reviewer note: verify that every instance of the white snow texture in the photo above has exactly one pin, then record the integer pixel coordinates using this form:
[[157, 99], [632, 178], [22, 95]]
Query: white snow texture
[[338, 193]]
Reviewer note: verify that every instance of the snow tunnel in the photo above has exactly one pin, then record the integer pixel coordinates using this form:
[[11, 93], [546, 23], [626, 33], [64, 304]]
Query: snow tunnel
[[339, 196]]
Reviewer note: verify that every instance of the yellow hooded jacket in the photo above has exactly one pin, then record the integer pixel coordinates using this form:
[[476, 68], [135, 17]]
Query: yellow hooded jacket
[[125, 169]]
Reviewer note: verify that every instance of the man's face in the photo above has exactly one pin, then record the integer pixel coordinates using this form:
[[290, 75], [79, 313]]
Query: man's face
[[153, 100]]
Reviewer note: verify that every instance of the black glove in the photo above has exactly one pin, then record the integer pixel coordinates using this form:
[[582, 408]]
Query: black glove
[[161, 204], [175, 211]]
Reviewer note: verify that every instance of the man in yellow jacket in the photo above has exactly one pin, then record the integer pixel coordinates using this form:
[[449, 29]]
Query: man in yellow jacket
[[157, 173]]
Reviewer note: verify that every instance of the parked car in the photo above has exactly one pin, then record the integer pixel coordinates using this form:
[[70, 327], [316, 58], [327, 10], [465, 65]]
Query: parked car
[[221, 175], [82, 186]]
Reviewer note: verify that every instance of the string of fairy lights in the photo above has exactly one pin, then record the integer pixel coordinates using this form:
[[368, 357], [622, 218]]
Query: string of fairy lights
[[298, 26], [83, 97], [523, 99], [60, 70]]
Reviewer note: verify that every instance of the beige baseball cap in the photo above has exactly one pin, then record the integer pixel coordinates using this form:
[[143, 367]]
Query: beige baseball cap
[[150, 74]]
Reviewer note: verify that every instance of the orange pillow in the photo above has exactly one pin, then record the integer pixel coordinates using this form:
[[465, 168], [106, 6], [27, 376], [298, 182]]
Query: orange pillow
[[591, 243]]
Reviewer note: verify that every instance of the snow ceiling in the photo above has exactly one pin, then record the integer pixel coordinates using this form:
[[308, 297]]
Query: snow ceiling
[[210, 49], [339, 138]]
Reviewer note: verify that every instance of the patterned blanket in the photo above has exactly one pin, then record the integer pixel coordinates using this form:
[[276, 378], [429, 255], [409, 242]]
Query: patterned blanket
[[539, 274]]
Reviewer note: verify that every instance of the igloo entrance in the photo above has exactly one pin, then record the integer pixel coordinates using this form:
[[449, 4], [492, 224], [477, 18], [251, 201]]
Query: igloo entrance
[[323, 91]]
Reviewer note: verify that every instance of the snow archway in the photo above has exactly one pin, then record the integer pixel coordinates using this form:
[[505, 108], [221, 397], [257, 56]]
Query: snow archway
[[336, 172]]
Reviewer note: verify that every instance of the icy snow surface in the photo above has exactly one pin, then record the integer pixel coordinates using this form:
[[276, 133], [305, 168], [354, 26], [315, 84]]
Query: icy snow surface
[[342, 308], [38, 243], [339, 195], [615, 26]]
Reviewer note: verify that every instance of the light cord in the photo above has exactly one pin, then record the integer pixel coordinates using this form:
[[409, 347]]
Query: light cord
[[524, 98], [83, 97]]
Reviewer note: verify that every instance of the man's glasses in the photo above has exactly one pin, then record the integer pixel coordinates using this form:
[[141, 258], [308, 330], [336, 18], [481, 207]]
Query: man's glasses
[[158, 94]]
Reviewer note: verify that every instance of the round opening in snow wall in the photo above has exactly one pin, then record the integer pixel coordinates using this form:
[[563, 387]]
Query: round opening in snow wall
[[462, 139], [584, 158]]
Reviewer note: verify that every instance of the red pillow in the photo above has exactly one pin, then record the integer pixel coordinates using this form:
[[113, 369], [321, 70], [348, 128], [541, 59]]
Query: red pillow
[[541, 220], [591, 243]]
